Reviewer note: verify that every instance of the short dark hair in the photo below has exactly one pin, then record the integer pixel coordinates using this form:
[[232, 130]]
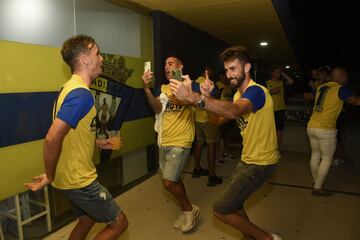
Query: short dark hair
[[235, 52], [178, 58], [74, 46], [274, 67], [325, 70]]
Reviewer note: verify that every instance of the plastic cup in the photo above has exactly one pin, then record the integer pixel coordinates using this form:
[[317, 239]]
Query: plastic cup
[[114, 137]]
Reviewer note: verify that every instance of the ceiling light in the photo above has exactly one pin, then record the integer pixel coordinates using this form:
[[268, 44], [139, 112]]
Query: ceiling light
[[263, 43], [287, 66]]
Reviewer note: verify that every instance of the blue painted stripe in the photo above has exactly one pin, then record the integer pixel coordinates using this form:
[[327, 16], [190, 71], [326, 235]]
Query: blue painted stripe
[[139, 107], [27, 117]]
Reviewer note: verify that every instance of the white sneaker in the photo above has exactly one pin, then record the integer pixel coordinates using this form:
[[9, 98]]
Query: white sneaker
[[190, 218], [179, 221], [275, 236]]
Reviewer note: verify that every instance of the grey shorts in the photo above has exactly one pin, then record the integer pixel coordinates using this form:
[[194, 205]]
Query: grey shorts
[[94, 201], [172, 161], [205, 131], [246, 179]]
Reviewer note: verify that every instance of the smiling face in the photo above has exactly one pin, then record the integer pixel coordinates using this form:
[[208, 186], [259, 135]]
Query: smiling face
[[171, 63], [235, 72]]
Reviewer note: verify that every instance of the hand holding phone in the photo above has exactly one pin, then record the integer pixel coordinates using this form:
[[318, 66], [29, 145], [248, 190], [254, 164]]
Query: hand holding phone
[[147, 76], [177, 74]]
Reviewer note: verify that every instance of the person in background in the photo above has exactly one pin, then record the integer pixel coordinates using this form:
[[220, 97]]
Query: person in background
[[176, 131], [228, 129], [277, 89], [69, 146], [309, 94], [204, 130], [252, 107], [321, 129]]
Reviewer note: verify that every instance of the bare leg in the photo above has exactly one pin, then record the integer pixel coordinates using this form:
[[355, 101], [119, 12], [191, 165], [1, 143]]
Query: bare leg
[[279, 137], [240, 221], [177, 189], [197, 155], [211, 158], [82, 228], [113, 230]]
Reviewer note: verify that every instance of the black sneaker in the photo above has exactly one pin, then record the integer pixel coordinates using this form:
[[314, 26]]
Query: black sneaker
[[214, 180], [321, 193], [200, 172]]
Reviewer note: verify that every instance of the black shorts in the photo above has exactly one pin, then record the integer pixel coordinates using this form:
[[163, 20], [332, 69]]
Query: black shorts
[[279, 119]]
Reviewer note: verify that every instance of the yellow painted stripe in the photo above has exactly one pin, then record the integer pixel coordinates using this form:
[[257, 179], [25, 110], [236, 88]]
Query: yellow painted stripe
[[31, 68]]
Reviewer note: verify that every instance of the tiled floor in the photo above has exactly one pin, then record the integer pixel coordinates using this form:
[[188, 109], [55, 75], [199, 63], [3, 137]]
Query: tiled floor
[[284, 205]]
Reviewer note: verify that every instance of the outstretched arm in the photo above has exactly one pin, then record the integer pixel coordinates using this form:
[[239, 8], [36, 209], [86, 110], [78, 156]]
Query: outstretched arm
[[153, 101], [182, 90], [355, 100], [52, 149]]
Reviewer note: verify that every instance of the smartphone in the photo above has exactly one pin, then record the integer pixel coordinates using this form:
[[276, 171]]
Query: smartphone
[[177, 74], [147, 66]]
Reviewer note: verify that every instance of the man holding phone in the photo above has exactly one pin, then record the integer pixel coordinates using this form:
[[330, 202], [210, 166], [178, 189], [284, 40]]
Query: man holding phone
[[174, 140]]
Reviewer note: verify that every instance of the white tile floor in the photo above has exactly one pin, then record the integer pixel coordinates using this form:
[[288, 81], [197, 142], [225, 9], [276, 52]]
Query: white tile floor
[[284, 205]]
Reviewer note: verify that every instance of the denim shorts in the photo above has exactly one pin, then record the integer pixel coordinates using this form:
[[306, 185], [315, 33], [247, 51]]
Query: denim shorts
[[94, 201], [246, 179], [172, 161]]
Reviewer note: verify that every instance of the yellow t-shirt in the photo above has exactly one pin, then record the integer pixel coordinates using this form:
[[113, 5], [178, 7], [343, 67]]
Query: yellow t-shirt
[[75, 168], [278, 98], [258, 132], [327, 106], [226, 91], [177, 123], [201, 115]]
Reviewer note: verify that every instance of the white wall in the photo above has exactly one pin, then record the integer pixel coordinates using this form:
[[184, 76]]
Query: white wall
[[43, 22], [115, 29], [50, 22]]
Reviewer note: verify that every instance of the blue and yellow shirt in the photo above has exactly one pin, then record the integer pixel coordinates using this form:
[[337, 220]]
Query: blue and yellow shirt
[[258, 127], [75, 106], [329, 101]]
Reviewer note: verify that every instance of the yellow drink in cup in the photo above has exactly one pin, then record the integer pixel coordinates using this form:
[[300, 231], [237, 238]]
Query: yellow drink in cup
[[114, 137]]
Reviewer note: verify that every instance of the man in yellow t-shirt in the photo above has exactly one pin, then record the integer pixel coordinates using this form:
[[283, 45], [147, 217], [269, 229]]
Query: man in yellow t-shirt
[[205, 131], [276, 88], [175, 141], [252, 108], [227, 130], [69, 146], [321, 129]]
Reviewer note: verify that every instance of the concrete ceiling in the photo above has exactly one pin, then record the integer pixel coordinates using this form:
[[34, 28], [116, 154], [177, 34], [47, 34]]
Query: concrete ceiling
[[240, 22]]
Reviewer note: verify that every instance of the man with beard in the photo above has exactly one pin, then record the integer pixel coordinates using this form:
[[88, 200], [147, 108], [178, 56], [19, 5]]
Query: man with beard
[[252, 107], [69, 146], [176, 133]]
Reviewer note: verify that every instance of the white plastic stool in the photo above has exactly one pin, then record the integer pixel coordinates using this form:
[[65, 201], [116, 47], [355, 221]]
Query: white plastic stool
[[1, 233], [26, 210]]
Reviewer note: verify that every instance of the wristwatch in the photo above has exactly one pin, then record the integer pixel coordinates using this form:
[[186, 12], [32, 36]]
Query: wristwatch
[[201, 102]]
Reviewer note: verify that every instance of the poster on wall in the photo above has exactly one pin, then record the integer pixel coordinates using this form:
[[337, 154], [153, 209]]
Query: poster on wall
[[112, 98]]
